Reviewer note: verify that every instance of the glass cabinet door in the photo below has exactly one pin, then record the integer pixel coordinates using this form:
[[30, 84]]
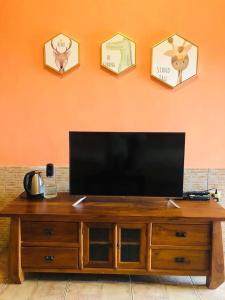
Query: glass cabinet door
[[98, 245], [131, 245]]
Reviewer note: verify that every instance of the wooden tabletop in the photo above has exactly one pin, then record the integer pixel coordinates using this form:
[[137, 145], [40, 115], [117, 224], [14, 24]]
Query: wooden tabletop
[[110, 208]]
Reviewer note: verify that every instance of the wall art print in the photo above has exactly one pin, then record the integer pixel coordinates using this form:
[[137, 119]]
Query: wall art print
[[118, 53], [61, 53], [174, 60]]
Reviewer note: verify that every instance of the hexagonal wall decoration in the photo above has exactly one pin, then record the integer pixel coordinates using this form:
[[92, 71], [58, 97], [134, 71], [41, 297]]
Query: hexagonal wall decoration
[[118, 53], [61, 53], [174, 60]]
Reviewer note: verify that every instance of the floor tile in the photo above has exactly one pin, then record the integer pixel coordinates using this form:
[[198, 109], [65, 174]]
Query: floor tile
[[49, 290], [116, 291], [205, 293], [79, 290], [19, 291], [163, 287], [146, 291]]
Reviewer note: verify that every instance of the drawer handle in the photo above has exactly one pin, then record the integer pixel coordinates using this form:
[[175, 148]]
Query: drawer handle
[[181, 234], [49, 257], [179, 259], [49, 231]]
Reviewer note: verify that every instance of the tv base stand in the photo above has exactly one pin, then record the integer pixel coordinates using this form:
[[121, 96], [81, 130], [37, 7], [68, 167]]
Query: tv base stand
[[173, 203], [170, 202], [115, 237], [79, 201]]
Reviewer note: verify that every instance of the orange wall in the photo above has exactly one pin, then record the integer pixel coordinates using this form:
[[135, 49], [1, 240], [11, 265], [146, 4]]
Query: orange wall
[[38, 107]]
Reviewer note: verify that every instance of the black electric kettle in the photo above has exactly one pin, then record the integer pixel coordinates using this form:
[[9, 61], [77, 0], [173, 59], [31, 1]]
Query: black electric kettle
[[34, 185]]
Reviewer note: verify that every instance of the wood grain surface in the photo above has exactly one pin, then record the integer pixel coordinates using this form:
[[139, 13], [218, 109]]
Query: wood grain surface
[[114, 208]]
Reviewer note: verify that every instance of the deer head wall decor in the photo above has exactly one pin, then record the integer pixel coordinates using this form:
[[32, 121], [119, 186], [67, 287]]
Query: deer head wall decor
[[61, 53], [61, 58]]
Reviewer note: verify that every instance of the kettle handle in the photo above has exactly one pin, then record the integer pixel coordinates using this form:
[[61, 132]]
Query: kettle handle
[[26, 181]]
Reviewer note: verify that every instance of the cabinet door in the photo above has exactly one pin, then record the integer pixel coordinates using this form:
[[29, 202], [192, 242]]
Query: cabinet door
[[131, 246], [98, 245]]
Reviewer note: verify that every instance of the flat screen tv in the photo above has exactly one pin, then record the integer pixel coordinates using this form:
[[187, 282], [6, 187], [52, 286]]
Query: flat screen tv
[[127, 163]]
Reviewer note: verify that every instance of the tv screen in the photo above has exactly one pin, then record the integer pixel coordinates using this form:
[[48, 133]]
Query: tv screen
[[127, 163]]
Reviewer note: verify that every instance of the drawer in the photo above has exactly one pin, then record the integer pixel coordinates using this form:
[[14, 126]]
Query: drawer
[[180, 260], [49, 232], [181, 234], [49, 257]]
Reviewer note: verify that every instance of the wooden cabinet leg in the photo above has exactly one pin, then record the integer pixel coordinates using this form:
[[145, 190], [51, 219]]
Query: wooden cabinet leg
[[216, 276], [15, 269]]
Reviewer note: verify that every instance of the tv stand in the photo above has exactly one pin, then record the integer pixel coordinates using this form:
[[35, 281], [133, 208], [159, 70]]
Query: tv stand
[[141, 236]]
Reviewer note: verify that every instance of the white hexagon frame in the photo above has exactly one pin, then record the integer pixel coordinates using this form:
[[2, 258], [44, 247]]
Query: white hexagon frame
[[61, 53], [174, 60], [118, 53]]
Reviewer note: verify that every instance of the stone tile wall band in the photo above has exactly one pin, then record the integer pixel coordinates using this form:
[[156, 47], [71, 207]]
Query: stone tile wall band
[[11, 184]]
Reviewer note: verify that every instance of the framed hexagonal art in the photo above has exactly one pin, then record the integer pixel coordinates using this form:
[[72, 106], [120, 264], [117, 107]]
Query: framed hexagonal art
[[118, 53], [174, 60], [61, 53]]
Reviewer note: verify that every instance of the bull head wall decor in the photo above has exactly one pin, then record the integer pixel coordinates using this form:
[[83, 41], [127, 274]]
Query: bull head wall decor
[[61, 53]]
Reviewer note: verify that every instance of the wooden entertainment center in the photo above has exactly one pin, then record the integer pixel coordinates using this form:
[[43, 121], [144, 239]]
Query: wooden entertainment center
[[122, 235]]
